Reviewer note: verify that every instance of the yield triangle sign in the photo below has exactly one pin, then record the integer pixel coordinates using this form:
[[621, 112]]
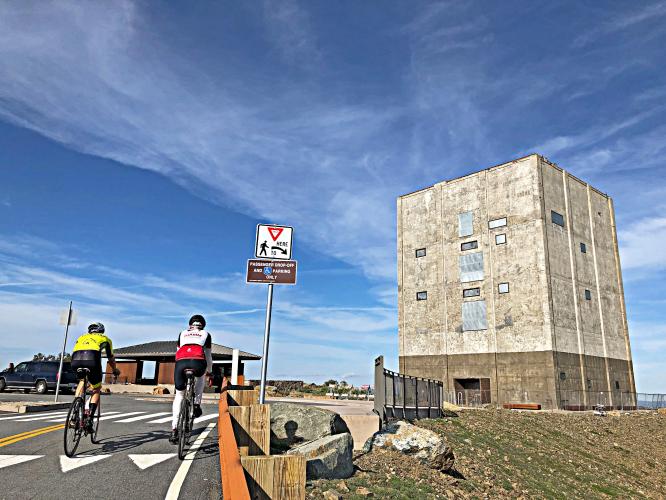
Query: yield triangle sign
[[67, 464], [7, 460], [275, 232], [148, 460]]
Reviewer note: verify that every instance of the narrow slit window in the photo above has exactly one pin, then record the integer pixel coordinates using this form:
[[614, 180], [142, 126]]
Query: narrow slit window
[[583, 248], [471, 292], [465, 224], [503, 288], [557, 218], [497, 223], [421, 295], [588, 295], [420, 252], [500, 239], [469, 245], [617, 385]]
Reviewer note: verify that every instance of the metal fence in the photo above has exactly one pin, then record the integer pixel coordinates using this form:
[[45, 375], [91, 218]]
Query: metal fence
[[399, 396]]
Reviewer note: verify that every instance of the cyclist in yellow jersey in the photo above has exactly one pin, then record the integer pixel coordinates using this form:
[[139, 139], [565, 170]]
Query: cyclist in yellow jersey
[[87, 353]]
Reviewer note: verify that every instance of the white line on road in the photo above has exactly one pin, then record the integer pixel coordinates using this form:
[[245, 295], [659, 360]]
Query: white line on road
[[179, 478], [196, 420], [30, 419], [142, 417], [26, 415], [7, 460], [107, 415], [161, 420]]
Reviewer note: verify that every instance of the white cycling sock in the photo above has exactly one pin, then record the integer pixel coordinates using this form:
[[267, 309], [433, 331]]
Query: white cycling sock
[[175, 409]]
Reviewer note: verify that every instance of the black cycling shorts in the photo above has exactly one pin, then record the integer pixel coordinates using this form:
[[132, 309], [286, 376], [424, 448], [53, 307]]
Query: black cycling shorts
[[91, 360], [198, 365]]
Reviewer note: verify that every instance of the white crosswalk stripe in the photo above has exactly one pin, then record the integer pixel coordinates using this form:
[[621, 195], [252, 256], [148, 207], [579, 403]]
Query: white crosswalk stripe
[[33, 418], [200, 419], [148, 460], [141, 417], [67, 464], [108, 415], [28, 415], [114, 413], [7, 460]]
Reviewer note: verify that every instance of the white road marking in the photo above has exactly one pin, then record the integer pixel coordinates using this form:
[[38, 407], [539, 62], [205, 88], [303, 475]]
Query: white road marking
[[7, 460], [179, 478], [148, 460], [30, 419], [196, 420], [142, 417], [107, 415], [206, 417], [27, 415], [67, 464]]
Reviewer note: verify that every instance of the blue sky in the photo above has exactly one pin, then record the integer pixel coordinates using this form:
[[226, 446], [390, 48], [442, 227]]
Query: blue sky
[[140, 144]]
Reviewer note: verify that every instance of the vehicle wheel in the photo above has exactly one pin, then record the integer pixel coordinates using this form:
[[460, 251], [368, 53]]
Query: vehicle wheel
[[3, 384], [73, 430], [41, 387]]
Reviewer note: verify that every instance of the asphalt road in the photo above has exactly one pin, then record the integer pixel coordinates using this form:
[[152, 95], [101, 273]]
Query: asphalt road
[[134, 458]]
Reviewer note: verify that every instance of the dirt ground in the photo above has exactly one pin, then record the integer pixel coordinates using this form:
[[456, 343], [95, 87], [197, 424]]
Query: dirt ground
[[509, 454]]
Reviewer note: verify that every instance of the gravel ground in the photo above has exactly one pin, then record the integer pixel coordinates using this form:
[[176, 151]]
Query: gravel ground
[[505, 454]]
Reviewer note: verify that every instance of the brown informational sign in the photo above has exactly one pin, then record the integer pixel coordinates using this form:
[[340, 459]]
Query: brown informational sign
[[278, 272]]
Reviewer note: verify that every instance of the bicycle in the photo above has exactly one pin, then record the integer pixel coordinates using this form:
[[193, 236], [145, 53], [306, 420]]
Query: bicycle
[[78, 422], [186, 414]]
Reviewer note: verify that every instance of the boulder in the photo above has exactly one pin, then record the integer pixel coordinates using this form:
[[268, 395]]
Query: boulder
[[329, 457], [292, 424], [423, 444], [662, 411]]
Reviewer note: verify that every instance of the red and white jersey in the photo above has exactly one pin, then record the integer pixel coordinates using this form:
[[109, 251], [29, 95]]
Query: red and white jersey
[[191, 344]]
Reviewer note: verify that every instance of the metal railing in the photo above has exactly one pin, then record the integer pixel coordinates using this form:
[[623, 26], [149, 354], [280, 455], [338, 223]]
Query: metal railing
[[400, 396]]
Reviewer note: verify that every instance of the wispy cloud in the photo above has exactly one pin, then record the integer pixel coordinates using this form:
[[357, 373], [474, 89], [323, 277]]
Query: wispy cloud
[[636, 253]]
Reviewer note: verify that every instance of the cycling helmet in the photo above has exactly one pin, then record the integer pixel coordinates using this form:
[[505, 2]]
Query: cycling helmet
[[96, 328], [198, 321]]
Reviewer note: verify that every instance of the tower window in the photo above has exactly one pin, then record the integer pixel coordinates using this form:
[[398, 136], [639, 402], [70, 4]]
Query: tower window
[[420, 252], [583, 248], [500, 239], [617, 385], [503, 288], [465, 224], [588, 295], [497, 223], [563, 376], [471, 267], [557, 218], [471, 292], [469, 245], [474, 316], [421, 295]]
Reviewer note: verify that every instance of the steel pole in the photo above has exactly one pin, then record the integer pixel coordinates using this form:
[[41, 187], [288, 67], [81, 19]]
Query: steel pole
[[267, 333], [64, 346]]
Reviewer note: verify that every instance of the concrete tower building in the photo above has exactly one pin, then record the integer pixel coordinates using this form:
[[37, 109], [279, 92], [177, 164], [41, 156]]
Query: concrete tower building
[[510, 288]]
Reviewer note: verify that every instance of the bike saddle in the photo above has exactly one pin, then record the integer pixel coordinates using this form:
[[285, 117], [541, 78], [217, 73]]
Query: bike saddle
[[82, 370], [189, 372]]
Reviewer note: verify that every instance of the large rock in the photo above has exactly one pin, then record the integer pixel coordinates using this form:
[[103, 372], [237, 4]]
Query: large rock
[[292, 424], [424, 444], [329, 457]]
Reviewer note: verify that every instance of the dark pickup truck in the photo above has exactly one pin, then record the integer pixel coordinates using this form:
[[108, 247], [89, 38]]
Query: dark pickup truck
[[41, 376]]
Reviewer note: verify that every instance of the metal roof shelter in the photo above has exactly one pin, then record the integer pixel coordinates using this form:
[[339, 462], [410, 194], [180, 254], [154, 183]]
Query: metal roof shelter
[[165, 350], [130, 362]]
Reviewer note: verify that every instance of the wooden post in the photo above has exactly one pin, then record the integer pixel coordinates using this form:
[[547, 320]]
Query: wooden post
[[234, 485], [252, 427], [243, 397], [277, 477]]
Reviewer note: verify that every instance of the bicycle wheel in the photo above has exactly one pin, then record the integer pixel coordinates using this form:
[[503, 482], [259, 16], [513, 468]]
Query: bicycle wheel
[[183, 420], [95, 426], [73, 426]]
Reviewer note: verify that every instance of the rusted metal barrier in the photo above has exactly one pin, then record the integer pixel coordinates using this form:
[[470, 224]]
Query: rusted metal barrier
[[234, 484]]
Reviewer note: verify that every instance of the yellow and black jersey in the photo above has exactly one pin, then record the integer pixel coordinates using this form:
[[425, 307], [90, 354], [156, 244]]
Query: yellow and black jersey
[[94, 342]]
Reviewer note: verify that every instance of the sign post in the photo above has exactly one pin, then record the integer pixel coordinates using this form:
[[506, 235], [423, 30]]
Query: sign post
[[68, 321], [273, 266]]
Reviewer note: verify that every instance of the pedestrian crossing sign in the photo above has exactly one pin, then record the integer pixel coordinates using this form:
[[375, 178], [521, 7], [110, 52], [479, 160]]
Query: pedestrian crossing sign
[[273, 242]]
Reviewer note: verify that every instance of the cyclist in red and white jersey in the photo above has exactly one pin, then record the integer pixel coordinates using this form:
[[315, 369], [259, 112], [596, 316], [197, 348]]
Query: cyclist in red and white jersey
[[194, 353]]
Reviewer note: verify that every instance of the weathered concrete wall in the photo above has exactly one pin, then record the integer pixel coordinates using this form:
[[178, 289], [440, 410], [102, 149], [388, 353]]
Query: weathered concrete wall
[[543, 336]]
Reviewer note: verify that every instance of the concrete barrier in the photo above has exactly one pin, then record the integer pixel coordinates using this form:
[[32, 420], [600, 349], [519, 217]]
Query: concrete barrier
[[361, 428]]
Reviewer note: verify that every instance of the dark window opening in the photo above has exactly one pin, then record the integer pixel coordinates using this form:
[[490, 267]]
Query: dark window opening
[[583, 248], [617, 385], [563, 376], [588, 295], [420, 252], [469, 245], [471, 292], [556, 218], [589, 384], [421, 295]]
